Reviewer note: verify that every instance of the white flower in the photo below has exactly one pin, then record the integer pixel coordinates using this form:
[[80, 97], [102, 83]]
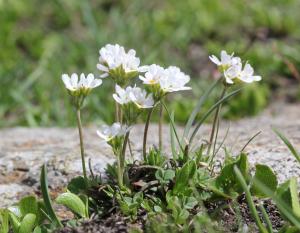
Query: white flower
[[245, 75], [113, 57], [122, 95], [141, 98], [108, 133], [226, 60], [133, 95], [73, 83], [174, 80], [153, 75]]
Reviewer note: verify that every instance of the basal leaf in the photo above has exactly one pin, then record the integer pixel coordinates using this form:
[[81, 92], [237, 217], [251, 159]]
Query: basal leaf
[[265, 176], [183, 176], [28, 223], [73, 202], [46, 197], [288, 192], [28, 205]]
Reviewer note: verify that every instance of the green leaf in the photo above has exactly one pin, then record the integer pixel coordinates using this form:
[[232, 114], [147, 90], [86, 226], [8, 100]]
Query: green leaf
[[4, 221], [46, 197], [183, 176], [73, 202], [197, 109], [227, 180], [28, 223], [288, 192], [14, 221], [77, 185], [288, 144], [207, 114], [190, 202], [173, 125], [28, 205], [164, 175], [266, 176]]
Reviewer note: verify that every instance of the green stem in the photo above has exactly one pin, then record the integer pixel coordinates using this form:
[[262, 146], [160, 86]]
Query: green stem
[[212, 135], [120, 171], [81, 143], [121, 161], [160, 127], [146, 133]]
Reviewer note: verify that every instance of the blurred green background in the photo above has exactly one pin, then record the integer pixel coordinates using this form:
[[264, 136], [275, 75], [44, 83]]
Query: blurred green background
[[40, 40]]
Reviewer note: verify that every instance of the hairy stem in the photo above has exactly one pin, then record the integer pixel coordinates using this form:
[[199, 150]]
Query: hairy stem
[[212, 134], [146, 133], [160, 127], [81, 143]]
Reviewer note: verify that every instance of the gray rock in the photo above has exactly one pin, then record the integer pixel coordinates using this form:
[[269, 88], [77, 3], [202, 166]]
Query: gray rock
[[24, 150]]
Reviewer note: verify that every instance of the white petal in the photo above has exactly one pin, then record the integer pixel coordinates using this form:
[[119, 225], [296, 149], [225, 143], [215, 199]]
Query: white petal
[[67, 82], [102, 67], [215, 60]]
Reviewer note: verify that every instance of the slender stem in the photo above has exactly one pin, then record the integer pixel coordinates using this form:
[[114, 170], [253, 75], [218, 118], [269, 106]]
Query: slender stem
[[124, 149], [215, 122], [117, 107], [146, 133], [160, 127], [120, 171], [130, 148], [81, 143]]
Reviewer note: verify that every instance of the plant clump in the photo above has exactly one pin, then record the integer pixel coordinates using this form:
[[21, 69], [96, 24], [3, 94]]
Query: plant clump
[[178, 192]]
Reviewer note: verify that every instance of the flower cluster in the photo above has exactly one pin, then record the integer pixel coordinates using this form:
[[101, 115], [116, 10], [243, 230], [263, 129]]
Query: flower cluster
[[133, 95], [107, 132], [232, 68], [118, 64], [80, 88], [83, 85], [161, 81]]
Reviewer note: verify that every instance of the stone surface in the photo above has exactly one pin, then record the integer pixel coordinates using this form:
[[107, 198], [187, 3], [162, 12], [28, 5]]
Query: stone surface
[[24, 150]]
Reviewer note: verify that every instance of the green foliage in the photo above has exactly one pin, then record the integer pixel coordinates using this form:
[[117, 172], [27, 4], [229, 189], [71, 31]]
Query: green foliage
[[288, 144], [288, 192], [77, 185], [27, 224], [4, 221], [74, 203], [227, 181], [155, 158], [265, 176], [46, 197], [183, 176]]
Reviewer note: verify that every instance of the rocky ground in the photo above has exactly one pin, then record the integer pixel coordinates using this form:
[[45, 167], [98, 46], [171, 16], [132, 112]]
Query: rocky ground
[[23, 150]]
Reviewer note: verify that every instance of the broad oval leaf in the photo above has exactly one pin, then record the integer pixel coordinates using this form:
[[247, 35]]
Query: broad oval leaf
[[73, 202], [265, 176], [28, 205], [28, 223]]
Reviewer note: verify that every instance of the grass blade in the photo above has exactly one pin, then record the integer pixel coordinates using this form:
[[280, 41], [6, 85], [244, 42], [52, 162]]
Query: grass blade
[[221, 101], [266, 218], [288, 144], [46, 197], [250, 201], [250, 140], [197, 109], [173, 126]]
